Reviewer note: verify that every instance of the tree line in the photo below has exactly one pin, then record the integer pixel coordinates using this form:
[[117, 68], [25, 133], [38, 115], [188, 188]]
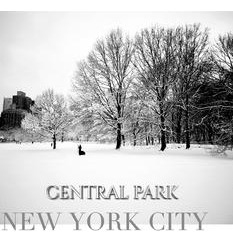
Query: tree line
[[164, 85]]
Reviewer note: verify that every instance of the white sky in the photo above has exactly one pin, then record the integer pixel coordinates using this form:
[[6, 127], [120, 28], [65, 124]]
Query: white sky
[[39, 50]]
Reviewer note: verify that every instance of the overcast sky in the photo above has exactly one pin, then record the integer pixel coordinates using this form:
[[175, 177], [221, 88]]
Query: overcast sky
[[39, 50]]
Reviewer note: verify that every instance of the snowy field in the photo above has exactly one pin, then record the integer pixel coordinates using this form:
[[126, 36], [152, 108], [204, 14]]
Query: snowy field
[[205, 180]]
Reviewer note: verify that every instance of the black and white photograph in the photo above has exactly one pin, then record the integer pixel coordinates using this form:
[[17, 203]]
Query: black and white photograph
[[115, 120]]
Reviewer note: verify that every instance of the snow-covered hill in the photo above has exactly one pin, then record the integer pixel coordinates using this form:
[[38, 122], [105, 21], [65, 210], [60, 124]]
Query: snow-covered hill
[[205, 180]]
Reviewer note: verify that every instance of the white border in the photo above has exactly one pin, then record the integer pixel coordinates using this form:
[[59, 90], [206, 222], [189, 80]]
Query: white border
[[115, 5], [65, 233]]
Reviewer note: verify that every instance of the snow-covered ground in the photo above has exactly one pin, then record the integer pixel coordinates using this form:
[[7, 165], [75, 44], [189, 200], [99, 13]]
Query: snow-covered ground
[[205, 180]]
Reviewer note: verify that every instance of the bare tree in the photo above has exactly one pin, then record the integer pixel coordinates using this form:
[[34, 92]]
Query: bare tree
[[30, 123], [192, 60], [223, 57], [49, 117], [155, 65], [103, 81], [223, 54], [138, 117]]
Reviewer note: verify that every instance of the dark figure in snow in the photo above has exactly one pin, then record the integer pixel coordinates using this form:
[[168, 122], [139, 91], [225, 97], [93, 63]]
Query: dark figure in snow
[[80, 151]]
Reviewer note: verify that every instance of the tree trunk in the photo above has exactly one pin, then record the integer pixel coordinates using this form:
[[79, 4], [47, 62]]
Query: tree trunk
[[187, 133], [152, 141], [178, 125], [123, 139], [134, 139], [147, 141], [163, 133], [159, 138], [210, 134], [162, 128], [118, 144], [232, 133], [168, 138], [54, 141], [163, 140]]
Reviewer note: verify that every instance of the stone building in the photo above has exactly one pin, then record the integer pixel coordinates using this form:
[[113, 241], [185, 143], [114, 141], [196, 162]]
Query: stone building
[[7, 102], [14, 110]]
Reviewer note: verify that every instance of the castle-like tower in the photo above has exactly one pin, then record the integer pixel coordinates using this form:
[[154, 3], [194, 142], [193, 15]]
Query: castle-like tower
[[14, 110]]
